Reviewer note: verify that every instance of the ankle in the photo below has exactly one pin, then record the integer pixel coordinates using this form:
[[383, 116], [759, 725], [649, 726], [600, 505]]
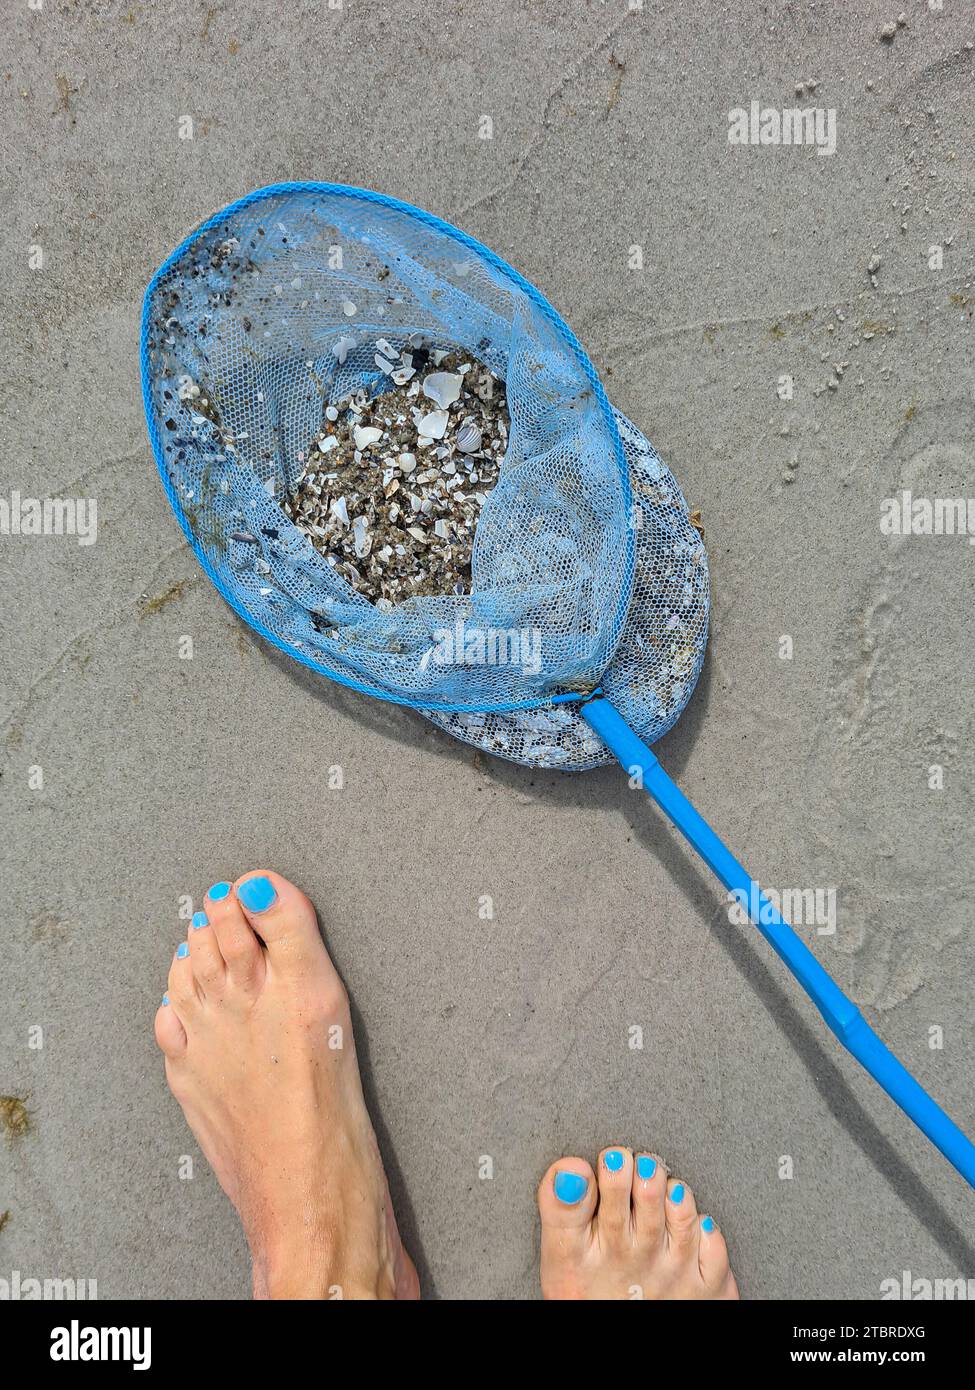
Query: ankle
[[311, 1270]]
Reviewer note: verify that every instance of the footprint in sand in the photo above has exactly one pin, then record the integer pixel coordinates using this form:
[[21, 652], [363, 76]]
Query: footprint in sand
[[893, 766]]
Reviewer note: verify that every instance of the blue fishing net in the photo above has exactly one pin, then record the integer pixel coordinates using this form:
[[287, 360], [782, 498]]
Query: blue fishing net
[[270, 312]]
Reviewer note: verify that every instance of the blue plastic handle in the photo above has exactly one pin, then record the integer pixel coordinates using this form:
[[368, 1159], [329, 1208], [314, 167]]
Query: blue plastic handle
[[840, 1013]]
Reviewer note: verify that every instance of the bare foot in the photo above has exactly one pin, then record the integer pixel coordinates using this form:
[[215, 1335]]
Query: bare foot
[[259, 1052], [632, 1233]]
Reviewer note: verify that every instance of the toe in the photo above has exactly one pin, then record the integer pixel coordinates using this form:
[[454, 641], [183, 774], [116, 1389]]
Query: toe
[[615, 1177], [283, 918], [208, 967], [567, 1196], [649, 1192], [713, 1259], [170, 1033], [683, 1227], [239, 948], [182, 987]]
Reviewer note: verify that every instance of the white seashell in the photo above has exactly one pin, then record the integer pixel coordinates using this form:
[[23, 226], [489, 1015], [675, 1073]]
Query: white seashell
[[342, 348], [363, 541], [366, 435], [417, 533], [348, 308], [433, 424], [403, 374], [327, 441], [386, 348], [443, 388], [383, 364], [407, 462], [340, 510], [331, 413], [468, 439]]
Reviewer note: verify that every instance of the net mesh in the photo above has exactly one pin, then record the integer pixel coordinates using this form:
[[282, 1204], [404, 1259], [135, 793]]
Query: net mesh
[[659, 655], [585, 566]]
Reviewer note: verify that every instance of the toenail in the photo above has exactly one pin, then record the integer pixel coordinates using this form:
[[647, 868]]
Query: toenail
[[707, 1224], [257, 894], [614, 1160], [677, 1194], [646, 1167], [570, 1188], [218, 892], [183, 951], [165, 998], [200, 919]]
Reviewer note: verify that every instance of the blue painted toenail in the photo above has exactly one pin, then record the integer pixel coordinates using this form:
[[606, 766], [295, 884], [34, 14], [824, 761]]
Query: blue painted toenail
[[218, 892], [707, 1224], [614, 1160], [257, 894], [183, 951], [677, 1194], [165, 998], [570, 1188], [200, 919], [646, 1166]]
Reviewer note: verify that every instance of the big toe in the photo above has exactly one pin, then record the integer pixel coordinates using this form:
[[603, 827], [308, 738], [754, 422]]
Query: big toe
[[284, 919], [567, 1200], [567, 1195]]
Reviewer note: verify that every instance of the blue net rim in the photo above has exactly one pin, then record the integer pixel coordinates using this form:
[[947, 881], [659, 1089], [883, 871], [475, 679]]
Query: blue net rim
[[520, 283]]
